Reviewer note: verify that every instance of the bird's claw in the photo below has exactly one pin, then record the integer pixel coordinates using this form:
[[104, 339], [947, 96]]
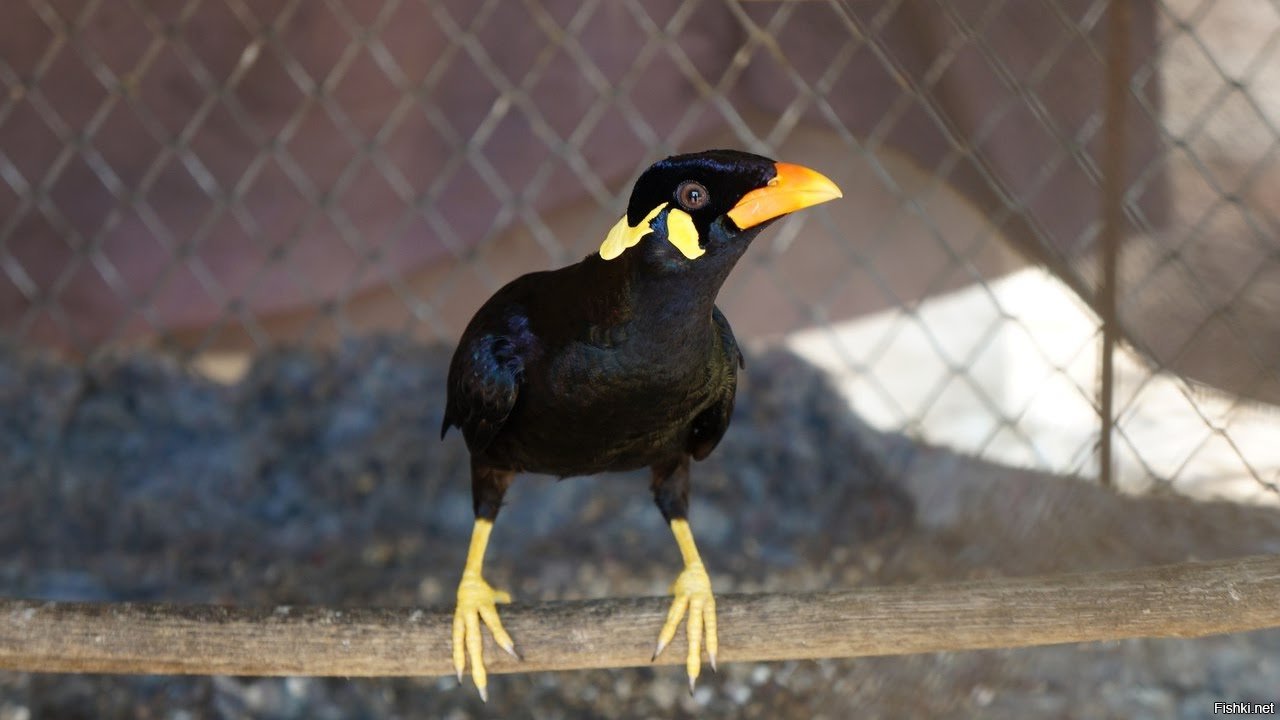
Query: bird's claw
[[692, 590], [510, 648], [662, 645], [477, 602]]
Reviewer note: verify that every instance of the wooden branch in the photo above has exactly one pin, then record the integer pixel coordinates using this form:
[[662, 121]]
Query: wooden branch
[[1174, 601]]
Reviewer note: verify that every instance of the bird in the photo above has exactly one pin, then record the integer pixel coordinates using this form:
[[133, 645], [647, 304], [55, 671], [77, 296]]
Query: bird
[[619, 362]]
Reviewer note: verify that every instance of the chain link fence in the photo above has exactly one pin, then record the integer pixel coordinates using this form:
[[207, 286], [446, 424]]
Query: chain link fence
[[214, 177]]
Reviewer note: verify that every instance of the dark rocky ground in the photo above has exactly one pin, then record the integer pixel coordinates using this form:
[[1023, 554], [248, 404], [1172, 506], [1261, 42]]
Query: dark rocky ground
[[319, 479]]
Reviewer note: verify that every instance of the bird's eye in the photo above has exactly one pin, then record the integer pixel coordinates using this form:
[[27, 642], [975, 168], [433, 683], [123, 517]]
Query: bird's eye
[[692, 195]]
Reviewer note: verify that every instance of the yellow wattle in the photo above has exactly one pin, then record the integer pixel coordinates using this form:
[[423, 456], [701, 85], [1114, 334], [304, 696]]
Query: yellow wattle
[[622, 236], [682, 233]]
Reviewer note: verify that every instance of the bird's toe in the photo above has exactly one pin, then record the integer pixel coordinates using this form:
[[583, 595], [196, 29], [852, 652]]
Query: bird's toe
[[693, 597], [477, 603]]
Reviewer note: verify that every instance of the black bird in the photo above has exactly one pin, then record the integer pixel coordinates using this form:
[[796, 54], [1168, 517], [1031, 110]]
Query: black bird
[[618, 362]]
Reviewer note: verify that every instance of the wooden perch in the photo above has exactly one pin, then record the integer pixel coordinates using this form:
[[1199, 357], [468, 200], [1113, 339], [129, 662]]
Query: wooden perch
[[1188, 600]]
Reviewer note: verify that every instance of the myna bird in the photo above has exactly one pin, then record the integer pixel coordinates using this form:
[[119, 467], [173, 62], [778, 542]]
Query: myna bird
[[618, 362]]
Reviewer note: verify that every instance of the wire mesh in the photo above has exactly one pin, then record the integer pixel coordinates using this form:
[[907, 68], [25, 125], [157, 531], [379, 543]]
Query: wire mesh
[[210, 176]]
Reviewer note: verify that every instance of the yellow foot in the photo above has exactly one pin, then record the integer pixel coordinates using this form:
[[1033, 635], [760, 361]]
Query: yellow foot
[[693, 594], [477, 601]]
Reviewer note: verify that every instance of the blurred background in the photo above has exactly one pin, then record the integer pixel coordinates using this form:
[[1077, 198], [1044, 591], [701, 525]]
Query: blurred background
[[238, 239]]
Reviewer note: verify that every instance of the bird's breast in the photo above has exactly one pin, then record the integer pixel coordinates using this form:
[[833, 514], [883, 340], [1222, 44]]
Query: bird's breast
[[598, 406]]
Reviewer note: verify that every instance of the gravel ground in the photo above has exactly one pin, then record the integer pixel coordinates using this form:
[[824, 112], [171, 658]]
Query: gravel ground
[[318, 479]]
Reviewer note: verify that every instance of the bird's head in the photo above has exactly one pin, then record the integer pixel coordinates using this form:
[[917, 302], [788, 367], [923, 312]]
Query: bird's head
[[705, 208]]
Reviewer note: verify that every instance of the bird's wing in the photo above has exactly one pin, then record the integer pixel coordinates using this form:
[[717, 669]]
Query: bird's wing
[[727, 342], [710, 425], [484, 381]]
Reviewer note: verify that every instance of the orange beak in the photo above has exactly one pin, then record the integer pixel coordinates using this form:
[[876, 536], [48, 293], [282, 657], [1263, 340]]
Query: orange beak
[[794, 188]]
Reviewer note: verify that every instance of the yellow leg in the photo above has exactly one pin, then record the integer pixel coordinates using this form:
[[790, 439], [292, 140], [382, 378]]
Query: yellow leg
[[692, 590], [477, 601]]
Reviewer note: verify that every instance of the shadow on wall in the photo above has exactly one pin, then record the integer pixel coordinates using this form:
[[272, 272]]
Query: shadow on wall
[[231, 228]]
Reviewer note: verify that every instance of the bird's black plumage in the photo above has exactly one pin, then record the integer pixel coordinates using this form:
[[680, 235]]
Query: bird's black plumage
[[618, 362], [612, 364]]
